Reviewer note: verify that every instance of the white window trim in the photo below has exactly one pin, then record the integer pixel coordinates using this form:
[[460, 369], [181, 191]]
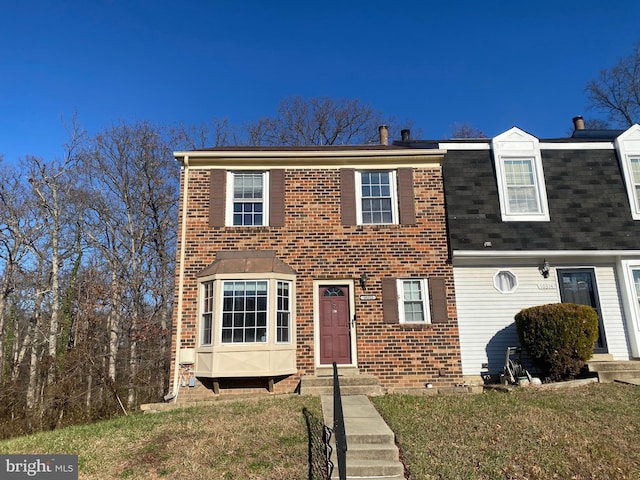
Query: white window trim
[[272, 310], [628, 267], [229, 200], [628, 146], [425, 300], [517, 144], [393, 186], [515, 281]]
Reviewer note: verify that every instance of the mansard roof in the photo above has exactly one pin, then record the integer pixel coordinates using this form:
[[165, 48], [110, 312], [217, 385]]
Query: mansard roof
[[588, 205]]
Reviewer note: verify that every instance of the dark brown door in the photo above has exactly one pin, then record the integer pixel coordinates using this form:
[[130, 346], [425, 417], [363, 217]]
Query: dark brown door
[[335, 338], [578, 285]]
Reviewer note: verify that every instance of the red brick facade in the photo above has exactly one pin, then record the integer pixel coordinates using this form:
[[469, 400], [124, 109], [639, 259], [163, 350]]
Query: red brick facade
[[314, 243]]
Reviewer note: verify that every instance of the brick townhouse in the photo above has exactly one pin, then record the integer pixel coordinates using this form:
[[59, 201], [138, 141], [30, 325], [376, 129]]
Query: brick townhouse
[[290, 259]]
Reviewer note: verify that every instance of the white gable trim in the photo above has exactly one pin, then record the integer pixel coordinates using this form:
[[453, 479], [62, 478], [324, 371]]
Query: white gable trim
[[628, 145]]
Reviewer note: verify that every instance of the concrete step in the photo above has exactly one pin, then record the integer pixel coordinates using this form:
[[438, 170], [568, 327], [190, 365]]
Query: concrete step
[[372, 451], [377, 469], [615, 370], [342, 371], [349, 385], [600, 366]]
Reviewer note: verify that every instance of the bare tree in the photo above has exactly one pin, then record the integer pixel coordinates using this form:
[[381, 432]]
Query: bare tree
[[18, 231], [133, 178], [465, 130], [218, 133], [53, 184], [616, 91], [318, 121]]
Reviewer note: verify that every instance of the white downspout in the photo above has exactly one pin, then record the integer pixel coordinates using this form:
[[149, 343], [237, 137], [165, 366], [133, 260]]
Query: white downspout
[[183, 247]]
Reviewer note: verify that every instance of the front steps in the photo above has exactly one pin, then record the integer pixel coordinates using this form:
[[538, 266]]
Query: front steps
[[371, 449], [611, 371], [351, 383]]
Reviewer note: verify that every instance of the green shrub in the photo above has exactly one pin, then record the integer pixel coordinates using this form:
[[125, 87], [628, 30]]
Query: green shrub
[[559, 337]]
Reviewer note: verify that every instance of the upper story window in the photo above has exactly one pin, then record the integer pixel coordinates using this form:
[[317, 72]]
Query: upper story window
[[247, 198], [628, 146], [521, 186], [377, 197]]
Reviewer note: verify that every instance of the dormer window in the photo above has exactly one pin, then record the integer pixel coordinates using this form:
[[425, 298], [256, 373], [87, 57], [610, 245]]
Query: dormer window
[[628, 146], [521, 187]]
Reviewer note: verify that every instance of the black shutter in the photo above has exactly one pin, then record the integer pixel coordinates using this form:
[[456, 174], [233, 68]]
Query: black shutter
[[217, 205], [406, 201], [390, 301], [348, 196], [276, 198], [438, 298]]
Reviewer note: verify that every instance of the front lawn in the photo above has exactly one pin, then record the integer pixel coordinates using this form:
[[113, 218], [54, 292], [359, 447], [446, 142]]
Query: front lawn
[[587, 432]]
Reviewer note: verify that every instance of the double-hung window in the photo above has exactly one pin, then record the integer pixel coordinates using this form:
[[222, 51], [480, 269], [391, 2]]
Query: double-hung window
[[207, 314], [377, 197], [413, 300], [248, 198], [628, 146], [634, 163], [283, 312], [521, 187]]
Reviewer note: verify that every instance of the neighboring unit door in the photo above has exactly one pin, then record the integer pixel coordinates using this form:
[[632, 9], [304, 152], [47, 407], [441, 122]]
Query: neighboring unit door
[[579, 286], [335, 337]]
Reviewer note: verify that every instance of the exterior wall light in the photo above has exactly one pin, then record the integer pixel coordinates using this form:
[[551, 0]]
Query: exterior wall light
[[544, 269]]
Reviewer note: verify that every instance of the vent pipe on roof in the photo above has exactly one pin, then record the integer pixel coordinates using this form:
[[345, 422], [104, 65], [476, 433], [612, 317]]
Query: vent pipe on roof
[[406, 134], [384, 134], [578, 123]]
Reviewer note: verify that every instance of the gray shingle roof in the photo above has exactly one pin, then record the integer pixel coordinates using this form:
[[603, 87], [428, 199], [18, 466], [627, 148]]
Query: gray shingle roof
[[588, 204]]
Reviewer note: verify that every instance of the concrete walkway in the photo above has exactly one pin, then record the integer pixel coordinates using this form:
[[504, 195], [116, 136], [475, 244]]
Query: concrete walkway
[[371, 449]]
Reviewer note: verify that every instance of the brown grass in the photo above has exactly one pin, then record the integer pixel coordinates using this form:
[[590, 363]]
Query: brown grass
[[587, 432], [249, 439]]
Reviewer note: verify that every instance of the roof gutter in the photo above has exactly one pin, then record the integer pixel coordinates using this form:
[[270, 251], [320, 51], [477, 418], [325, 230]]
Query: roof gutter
[[311, 158], [460, 254]]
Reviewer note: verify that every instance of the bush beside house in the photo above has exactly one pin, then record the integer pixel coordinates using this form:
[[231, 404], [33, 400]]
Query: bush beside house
[[559, 337]]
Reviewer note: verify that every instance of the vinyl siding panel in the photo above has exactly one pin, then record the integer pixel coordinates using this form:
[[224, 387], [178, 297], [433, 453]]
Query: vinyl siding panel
[[612, 313], [486, 316]]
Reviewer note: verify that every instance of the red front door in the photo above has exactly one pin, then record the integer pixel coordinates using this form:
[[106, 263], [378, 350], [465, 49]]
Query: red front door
[[335, 338]]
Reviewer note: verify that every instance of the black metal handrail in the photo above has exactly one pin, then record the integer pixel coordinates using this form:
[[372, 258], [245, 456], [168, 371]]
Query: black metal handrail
[[338, 426]]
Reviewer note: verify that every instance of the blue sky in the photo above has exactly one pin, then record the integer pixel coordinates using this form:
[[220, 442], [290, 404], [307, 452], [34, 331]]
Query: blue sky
[[490, 64]]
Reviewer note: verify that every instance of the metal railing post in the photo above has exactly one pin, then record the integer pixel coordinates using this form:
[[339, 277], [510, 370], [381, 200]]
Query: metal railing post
[[338, 426]]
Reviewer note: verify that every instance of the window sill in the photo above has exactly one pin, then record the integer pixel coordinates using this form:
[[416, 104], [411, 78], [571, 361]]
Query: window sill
[[415, 326]]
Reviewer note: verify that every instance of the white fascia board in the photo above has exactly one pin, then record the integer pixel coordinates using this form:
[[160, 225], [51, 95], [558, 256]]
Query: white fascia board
[[311, 158], [543, 146], [577, 146], [538, 253], [464, 146], [408, 152]]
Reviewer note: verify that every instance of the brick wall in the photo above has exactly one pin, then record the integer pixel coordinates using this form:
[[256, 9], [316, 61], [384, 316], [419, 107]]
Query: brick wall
[[316, 245]]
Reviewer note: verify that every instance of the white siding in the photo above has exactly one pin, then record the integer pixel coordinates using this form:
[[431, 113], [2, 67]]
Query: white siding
[[486, 316], [612, 313]]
